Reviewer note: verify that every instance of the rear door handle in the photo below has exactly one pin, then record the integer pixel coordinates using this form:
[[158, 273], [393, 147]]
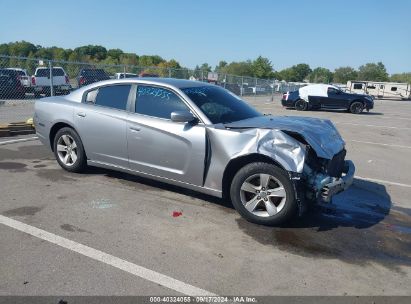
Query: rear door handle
[[81, 114]]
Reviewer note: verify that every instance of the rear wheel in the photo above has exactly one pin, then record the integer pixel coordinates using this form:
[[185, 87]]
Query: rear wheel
[[356, 107], [69, 151], [301, 105], [263, 194]]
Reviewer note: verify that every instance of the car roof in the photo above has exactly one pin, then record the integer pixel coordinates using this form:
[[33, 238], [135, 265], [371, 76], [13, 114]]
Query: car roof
[[171, 83]]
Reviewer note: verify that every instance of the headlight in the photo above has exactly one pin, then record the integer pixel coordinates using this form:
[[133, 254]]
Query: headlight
[[369, 98]]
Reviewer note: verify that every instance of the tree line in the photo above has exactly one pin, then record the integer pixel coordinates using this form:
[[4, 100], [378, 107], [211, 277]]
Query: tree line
[[261, 67]]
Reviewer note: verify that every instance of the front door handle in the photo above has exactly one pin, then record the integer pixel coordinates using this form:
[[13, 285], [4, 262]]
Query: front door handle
[[135, 129], [81, 114]]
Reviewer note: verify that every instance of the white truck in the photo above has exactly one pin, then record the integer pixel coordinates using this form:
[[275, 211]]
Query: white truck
[[41, 81]]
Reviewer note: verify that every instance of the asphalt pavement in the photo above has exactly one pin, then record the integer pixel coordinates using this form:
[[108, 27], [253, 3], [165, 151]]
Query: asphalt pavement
[[109, 233]]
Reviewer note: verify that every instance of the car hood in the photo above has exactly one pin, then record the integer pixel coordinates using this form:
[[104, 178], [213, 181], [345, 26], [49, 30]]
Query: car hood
[[320, 134]]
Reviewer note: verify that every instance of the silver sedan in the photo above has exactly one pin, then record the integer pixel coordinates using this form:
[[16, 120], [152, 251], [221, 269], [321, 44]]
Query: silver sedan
[[201, 137]]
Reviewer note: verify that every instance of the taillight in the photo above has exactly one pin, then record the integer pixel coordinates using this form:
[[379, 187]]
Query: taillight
[[33, 80], [82, 80], [67, 79]]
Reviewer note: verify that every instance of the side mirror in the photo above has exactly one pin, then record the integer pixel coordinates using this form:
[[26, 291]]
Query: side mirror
[[182, 116]]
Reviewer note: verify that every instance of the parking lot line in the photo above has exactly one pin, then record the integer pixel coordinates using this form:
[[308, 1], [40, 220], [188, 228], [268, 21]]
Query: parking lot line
[[373, 126], [383, 181], [134, 269], [380, 144], [6, 142]]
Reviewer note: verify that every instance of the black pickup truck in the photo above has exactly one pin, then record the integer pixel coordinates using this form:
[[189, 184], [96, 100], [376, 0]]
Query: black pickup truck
[[321, 96]]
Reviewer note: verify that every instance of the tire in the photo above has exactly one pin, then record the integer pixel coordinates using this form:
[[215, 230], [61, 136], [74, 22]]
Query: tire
[[264, 208], [68, 142], [301, 105], [356, 107]]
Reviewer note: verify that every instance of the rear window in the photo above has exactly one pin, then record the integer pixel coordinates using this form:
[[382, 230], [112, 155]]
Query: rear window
[[357, 86], [20, 73], [8, 73], [46, 72], [115, 96]]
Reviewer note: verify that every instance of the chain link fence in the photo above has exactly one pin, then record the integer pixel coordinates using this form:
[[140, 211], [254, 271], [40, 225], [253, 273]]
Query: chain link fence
[[23, 80]]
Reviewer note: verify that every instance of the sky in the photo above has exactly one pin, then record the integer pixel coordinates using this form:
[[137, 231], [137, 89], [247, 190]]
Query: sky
[[321, 33]]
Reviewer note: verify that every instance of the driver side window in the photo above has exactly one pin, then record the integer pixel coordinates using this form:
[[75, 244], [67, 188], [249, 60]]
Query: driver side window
[[157, 102], [332, 91]]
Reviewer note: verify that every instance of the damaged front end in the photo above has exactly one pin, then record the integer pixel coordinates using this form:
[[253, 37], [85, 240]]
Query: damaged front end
[[325, 178], [310, 150]]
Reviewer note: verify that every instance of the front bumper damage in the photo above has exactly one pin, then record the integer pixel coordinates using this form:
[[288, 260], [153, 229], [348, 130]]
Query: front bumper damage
[[321, 187], [340, 184]]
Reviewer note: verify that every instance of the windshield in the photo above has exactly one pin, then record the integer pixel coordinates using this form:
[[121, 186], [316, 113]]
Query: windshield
[[220, 105]]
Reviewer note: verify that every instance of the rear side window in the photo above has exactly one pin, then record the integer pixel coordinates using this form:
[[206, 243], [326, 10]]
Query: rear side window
[[115, 96], [157, 102], [393, 89], [357, 86]]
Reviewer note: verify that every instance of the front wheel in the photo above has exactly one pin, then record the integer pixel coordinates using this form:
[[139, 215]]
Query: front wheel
[[356, 107], [301, 105], [69, 151], [263, 194]]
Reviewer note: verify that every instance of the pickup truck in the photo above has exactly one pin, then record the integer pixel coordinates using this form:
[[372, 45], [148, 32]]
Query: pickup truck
[[24, 78], [41, 81]]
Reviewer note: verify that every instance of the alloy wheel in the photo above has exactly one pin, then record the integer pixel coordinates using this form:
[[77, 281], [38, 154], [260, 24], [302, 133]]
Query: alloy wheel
[[67, 150], [263, 195]]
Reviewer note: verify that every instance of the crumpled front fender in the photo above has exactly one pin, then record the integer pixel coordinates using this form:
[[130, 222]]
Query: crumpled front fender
[[227, 145]]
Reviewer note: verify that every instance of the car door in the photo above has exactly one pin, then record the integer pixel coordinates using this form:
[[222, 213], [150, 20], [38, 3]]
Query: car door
[[101, 121], [331, 100], [159, 146]]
